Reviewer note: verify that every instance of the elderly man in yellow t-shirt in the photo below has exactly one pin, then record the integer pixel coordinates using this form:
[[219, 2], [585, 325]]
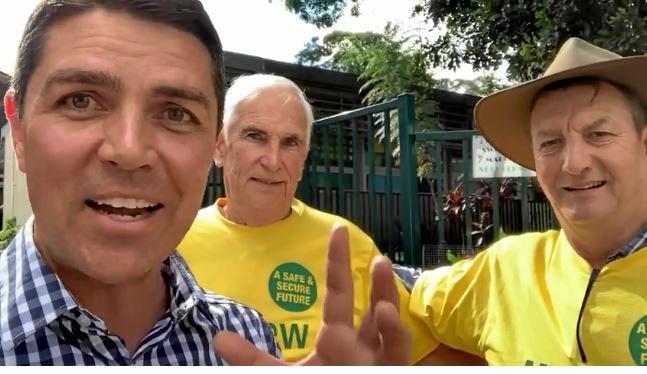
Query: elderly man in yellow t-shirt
[[577, 295], [265, 248]]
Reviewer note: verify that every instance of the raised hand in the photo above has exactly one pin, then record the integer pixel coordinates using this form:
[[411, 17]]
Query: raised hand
[[380, 340]]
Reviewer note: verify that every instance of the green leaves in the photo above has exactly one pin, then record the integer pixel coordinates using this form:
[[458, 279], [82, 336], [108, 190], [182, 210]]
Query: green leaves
[[321, 13], [7, 234], [484, 33], [528, 33]]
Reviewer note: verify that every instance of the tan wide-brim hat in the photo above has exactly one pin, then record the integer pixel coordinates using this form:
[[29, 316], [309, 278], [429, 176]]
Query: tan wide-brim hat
[[503, 118]]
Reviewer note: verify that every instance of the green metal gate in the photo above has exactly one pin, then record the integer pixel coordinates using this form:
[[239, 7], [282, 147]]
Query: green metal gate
[[340, 173], [534, 216]]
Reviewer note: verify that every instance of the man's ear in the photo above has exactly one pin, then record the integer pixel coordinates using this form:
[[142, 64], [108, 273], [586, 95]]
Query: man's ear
[[220, 152], [17, 128]]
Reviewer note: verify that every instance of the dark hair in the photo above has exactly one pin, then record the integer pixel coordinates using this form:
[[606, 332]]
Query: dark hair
[[184, 15], [638, 111]]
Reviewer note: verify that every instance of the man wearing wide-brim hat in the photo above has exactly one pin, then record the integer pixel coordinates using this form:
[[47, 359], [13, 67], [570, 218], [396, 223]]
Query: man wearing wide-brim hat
[[577, 295]]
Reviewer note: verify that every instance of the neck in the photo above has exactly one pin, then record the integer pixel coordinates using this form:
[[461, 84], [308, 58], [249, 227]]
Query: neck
[[251, 216], [596, 242]]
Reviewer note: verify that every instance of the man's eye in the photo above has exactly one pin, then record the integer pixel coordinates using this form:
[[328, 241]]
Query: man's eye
[[549, 144], [78, 101], [177, 114], [600, 134], [291, 142], [254, 136]]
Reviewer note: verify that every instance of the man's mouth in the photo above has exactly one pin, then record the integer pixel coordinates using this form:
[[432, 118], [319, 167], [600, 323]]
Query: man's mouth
[[123, 208], [584, 187], [266, 181]]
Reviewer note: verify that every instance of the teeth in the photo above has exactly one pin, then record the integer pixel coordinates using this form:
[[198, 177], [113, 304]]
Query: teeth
[[590, 185], [119, 217], [124, 202]]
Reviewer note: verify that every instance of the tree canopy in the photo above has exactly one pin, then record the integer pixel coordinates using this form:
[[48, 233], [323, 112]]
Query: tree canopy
[[524, 33], [322, 13], [528, 33], [385, 62]]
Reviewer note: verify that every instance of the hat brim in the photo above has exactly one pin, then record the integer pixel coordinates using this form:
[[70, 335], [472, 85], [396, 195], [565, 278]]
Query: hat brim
[[503, 118]]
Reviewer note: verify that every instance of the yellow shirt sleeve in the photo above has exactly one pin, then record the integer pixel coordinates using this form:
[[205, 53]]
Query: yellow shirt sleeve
[[453, 302]]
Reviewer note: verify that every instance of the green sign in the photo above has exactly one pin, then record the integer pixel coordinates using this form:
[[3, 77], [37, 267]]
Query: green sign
[[292, 287], [638, 342]]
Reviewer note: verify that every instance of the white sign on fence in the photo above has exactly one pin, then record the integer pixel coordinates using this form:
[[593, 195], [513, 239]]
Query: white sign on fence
[[488, 163]]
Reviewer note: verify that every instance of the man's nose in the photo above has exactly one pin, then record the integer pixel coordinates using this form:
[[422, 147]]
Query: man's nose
[[271, 158], [128, 142], [577, 157]]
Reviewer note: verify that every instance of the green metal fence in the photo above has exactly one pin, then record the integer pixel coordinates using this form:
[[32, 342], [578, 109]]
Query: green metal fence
[[343, 164], [534, 215]]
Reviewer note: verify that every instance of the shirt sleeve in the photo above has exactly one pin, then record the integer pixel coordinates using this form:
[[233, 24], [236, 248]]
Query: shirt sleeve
[[249, 324], [453, 302]]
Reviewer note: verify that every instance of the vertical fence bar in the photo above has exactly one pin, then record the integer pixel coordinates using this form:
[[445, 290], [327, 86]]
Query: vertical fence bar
[[341, 195], [467, 191], [370, 144], [210, 189], [438, 172], [408, 177], [326, 155], [494, 188], [313, 175], [356, 168], [523, 190], [552, 219], [304, 188], [388, 162]]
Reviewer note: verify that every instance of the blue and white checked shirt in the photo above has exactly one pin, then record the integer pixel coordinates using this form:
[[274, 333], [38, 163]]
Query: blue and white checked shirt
[[639, 241], [41, 323]]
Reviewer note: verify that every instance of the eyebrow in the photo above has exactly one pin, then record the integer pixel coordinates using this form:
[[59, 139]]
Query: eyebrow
[[96, 78], [546, 133], [184, 93], [595, 124], [592, 126], [256, 129], [252, 129]]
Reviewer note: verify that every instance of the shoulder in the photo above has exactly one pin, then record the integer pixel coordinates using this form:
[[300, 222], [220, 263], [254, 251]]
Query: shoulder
[[203, 229], [511, 255], [243, 320], [207, 216], [357, 235], [222, 306], [524, 246]]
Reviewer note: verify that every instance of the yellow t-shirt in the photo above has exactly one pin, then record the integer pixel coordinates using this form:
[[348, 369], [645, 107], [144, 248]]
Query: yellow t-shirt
[[279, 270], [517, 303]]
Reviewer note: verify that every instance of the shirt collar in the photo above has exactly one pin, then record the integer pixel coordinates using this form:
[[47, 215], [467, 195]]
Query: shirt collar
[[185, 292], [639, 241], [32, 295]]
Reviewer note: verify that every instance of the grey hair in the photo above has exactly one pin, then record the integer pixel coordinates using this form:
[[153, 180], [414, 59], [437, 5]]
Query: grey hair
[[247, 86]]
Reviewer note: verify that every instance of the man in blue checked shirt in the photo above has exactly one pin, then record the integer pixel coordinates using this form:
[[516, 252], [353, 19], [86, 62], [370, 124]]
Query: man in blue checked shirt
[[114, 110]]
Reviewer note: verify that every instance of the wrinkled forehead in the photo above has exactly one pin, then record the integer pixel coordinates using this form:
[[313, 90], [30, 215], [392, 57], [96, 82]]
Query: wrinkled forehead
[[275, 103], [559, 105]]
